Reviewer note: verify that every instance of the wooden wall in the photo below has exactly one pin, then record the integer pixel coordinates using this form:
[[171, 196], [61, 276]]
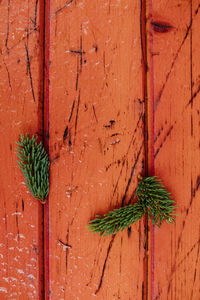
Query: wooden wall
[[112, 89]]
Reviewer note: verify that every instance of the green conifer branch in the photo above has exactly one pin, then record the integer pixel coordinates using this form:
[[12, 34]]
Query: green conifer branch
[[34, 164], [117, 219], [153, 199], [158, 201]]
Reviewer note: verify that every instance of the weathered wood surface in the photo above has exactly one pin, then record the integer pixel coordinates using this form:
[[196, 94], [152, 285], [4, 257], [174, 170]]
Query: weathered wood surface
[[175, 81], [93, 115], [21, 216], [96, 146]]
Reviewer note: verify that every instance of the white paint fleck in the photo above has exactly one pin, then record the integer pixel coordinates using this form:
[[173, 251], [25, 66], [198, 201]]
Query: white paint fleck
[[16, 214], [20, 271], [115, 142], [16, 258], [19, 249], [33, 259], [13, 294], [13, 278], [10, 233], [16, 238], [32, 286], [21, 236], [3, 289]]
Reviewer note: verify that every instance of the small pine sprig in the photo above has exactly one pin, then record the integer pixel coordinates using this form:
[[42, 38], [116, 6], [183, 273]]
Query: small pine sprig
[[153, 199], [117, 219], [34, 164], [158, 202]]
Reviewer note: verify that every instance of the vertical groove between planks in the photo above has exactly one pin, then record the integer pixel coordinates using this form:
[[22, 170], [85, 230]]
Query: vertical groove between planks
[[148, 92], [46, 138], [41, 121], [150, 140], [145, 90], [45, 39]]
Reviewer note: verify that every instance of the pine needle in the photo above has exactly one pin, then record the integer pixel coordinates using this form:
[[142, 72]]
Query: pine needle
[[158, 202], [117, 219], [153, 199], [34, 164]]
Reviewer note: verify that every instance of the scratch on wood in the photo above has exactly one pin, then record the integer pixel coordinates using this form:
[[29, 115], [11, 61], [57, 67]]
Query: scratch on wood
[[159, 133], [104, 62], [17, 220], [56, 157], [129, 232], [142, 290], [94, 113], [65, 134], [132, 172], [8, 27], [196, 264], [161, 27], [141, 32], [164, 140], [66, 246], [176, 266], [77, 78], [173, 63], [81, 50], [9, 82], [197, 10], [22, 205], [70, 140], [77, 112], [29, 71], [193, 97], [129, 147], [35, 20], [63, 7], [72, 109], [195, 189], [110, 125], [104, 265]]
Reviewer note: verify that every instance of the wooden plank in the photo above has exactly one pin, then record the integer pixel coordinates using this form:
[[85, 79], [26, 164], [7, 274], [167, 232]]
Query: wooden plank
[[96, 147], [20, 90], [175, 83]]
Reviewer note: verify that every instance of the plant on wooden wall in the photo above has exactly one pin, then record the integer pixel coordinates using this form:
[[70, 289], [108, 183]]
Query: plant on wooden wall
[[34, 164], [153, 200]]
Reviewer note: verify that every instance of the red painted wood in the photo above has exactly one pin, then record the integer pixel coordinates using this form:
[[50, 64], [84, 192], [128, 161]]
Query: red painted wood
[[82, 75], [96, 147], [175, 80], [21, 272]]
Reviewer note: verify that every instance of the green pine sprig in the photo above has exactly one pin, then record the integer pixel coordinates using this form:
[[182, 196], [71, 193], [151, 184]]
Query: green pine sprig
[[34, 164], [158, 202], [153, 199], [117, 219]]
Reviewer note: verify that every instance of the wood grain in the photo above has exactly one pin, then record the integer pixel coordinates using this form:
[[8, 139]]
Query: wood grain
[[175, 84], [20, 90], [96, 147]]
